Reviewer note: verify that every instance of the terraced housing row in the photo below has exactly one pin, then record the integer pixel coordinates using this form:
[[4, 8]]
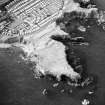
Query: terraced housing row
[[33, 14]]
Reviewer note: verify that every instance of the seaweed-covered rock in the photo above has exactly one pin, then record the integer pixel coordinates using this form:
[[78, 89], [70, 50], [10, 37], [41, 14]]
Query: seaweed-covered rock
[[85, 3]]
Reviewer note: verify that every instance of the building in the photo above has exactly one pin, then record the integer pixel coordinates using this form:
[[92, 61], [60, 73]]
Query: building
[[31, 15]]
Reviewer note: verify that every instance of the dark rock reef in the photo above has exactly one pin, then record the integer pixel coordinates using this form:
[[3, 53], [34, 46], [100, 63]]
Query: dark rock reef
[[85, 53]]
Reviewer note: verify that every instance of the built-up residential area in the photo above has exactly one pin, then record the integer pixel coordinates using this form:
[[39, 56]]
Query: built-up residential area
[[31, 15]]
